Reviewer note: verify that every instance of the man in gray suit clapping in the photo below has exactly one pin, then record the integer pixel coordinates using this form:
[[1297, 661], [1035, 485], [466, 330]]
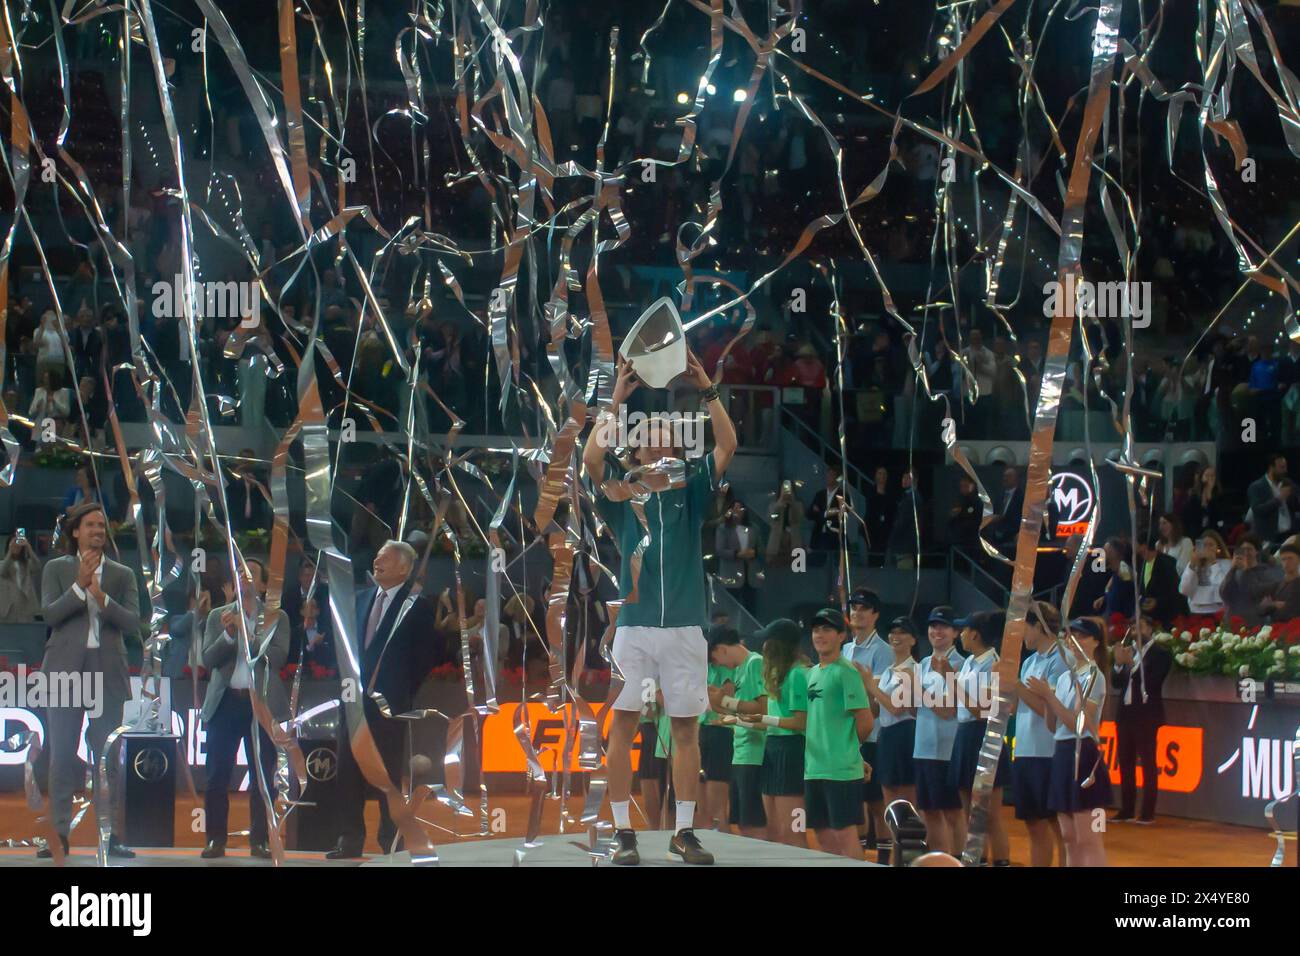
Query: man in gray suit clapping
[[90, 603], [228, 706]]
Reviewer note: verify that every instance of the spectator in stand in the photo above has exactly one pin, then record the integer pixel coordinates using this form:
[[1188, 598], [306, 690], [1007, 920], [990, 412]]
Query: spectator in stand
[[965, 517], [1118, 596], [905, 536], [1174, 542], [96, 407], [1282, 603], [1265, 404], [247, 504], [1008, 507], [808, 373], [738, 546], [87, 344], [824, 514], [83, 489], [50, 354], [51, 403], [1207, 507], [787, 532], [942, 371], [1158, 581], [1247, 583], [1204, 575], [1288, 377], [20, 582], [1273, 502], [310, 637], [881, 505], [983, 364], [525, 633], [1007, 393]]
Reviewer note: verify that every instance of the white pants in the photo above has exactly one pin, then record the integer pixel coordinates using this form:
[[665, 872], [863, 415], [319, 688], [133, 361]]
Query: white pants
[[673, 660]]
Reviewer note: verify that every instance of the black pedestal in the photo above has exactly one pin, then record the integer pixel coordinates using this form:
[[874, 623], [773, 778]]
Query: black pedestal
[[149, 778], [314, 825]]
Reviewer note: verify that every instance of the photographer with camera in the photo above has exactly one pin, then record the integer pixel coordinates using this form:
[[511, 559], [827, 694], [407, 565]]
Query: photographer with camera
[[20, 581]]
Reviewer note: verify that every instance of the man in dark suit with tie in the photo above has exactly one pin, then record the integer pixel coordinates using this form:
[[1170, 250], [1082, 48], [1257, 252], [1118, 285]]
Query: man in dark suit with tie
[[1158, 581], [311, 634], [228, 707], [1137, 680], [1004, 526], [395, 634]]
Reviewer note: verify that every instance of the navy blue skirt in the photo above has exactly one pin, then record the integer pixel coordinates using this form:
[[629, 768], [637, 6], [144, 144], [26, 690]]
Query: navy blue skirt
[[933, 791], [893, 766], [966, 757], [1067, 794], [1032, 778], [783, 766]]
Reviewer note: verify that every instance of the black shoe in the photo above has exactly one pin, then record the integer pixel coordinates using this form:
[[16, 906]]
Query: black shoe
[[117, 848], [1122, 818], [1001, 862], [260, 850], [687, 845], [342, 852], [625, 851], [213, 850], [45, 853], [1145, 821]]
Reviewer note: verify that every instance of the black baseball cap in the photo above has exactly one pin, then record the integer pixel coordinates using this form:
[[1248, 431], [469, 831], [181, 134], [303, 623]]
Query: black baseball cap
[[865, 597], [830, 617], [903, 623], [782, 629], [1086, 625], [943, 614], [988, 624]]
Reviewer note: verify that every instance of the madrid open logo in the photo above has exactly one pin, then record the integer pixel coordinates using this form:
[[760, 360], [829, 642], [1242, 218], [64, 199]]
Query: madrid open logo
[[1073, 498], [150, 765], [321, 764]]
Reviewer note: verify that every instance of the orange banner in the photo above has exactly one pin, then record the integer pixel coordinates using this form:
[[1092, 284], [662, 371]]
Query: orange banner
[[501, 752], [1178, 753]]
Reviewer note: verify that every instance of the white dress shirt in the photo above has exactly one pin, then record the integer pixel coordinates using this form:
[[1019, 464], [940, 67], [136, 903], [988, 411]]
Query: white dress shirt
[[1283, 512], [242, 676], [92, 606]]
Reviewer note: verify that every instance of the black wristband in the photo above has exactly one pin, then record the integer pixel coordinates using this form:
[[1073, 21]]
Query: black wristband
[[709, 394]]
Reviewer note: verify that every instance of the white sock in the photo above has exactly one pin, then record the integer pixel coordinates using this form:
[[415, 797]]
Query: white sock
[[685, 814], [622, 814]]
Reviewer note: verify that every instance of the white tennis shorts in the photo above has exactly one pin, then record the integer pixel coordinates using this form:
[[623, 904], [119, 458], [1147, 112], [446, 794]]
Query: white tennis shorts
[[674, 660]]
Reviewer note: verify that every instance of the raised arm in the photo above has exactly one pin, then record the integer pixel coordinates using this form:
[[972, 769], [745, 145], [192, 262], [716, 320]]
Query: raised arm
[[724, 432], [600, 438]]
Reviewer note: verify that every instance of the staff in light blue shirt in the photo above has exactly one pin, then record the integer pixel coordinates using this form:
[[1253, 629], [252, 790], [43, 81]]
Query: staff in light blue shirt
[[936, 727], [1031, 768], [867, 648], [1080, 789]]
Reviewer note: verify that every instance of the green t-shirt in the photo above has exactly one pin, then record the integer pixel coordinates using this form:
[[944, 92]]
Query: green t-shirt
[[670, 586], [748, 747], [793, 697], [832, 752], [717, 676]]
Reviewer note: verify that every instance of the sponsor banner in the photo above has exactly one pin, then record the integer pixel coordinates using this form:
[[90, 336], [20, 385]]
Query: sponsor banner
[[1217, 760]]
